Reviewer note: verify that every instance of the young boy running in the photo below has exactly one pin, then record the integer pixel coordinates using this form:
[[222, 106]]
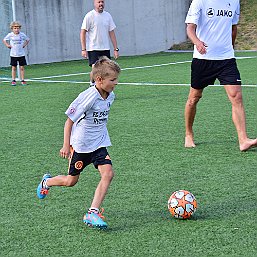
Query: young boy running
[[17, 41], [86, 139]]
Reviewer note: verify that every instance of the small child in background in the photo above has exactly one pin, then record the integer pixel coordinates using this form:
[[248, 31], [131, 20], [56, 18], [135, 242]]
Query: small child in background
[[86, 139], [17, 41]]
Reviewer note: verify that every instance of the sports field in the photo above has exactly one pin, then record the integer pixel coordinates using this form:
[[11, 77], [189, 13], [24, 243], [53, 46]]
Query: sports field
[[146, 126]]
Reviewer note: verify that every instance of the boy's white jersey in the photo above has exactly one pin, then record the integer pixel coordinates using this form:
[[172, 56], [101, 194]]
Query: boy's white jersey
[[214, 20], [89, 112], [16, 42], [98, 26]]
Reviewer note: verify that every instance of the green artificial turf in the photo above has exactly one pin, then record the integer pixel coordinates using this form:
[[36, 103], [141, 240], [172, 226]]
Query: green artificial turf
[[146, 126]]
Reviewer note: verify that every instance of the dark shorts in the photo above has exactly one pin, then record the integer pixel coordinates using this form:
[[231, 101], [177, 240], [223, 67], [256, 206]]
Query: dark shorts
[[93, 56], [79, 161], [205, 72], [21, 60]]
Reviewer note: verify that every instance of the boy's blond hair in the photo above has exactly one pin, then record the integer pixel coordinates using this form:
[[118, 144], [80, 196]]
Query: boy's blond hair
[[104, 66], [15, 24]]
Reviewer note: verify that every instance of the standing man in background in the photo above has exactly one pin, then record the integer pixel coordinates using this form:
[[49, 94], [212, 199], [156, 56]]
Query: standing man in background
[[212, 28], [97, 27]]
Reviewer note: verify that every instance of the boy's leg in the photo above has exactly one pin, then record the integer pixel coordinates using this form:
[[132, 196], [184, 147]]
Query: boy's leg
[[94, 218], [107, 175], [22, 72], [14, 68], [48, 181], [62, 180], [234, 93], [190, 112]]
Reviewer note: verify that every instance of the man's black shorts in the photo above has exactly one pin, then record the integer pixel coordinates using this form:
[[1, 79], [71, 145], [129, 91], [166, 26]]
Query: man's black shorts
[[93, 56], [205, 72], [79, 161], [21, 60]]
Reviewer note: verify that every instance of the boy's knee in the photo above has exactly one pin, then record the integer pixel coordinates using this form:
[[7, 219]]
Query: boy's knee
[[108, 175], [70, 183]]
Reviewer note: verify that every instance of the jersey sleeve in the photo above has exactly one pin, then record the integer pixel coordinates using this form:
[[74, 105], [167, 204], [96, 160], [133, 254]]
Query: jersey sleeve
[[194, 12], [236, 15], [80, 105], [112, 25], [24, 37], [86, 22], [7, 37]]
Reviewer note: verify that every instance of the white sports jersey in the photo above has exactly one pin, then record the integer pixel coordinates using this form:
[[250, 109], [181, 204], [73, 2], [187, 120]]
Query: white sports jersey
[[214, 20], [98, 26], [89, 112], [16, 42]]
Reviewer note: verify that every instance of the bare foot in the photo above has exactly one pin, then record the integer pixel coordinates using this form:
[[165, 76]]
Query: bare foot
[[249, 143], [189, 142]]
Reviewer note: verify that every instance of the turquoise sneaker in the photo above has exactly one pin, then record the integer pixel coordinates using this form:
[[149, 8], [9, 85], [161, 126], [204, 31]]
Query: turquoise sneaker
[[95, 220], [42, 189]]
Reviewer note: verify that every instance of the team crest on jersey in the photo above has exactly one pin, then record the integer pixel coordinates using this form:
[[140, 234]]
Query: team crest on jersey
[[109, 104], [78, 165], [210, 12], [72, 110]]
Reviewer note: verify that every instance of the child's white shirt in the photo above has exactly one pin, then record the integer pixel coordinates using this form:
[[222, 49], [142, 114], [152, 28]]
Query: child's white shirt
[[89, 112], [16, 42]]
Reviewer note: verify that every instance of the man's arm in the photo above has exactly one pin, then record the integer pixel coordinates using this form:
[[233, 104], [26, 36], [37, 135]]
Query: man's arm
[[114, 43], [191, 33], [83, 42], [234, 34]]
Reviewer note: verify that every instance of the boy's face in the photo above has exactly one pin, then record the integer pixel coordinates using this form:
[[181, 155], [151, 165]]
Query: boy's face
[[107, 84], [16, 29]]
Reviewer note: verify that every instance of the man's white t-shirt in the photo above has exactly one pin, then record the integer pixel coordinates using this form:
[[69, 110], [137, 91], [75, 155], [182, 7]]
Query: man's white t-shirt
[[214, 20], [16, 42], [89, 112], [98, 26]]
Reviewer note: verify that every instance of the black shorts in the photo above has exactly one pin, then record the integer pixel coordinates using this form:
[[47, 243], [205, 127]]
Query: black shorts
[[205, 72], [93, 56], [21, 60], [79, 161]]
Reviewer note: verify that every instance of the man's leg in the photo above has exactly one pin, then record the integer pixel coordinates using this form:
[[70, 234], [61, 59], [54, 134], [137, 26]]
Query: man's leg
[[234, 93], [190, 112]]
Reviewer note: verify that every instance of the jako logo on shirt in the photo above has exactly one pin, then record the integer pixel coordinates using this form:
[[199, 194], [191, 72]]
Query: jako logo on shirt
[[224, 13], [210, 12]]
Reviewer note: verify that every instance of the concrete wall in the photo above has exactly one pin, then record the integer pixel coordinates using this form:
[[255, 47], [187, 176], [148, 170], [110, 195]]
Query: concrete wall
[[143, 26]]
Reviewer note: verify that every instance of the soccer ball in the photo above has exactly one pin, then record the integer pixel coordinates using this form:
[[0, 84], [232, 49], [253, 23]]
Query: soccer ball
[[182, 204]]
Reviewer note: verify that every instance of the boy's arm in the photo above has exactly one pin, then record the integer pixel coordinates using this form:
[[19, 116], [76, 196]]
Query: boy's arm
[[25, 43], [65, 150], [6, 43]]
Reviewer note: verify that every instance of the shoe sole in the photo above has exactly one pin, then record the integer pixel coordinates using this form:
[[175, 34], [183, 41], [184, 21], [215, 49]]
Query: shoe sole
[[38, 194], [95, 226]]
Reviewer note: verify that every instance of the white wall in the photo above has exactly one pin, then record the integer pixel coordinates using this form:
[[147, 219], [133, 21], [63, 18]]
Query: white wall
[[143, 26]]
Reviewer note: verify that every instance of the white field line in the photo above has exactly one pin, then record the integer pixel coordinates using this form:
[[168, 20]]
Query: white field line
[[129, 68], [120, 83], [42, 79], [132, 68]]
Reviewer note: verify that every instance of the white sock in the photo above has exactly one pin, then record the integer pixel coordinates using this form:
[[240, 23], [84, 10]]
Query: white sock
[[94, 210]]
